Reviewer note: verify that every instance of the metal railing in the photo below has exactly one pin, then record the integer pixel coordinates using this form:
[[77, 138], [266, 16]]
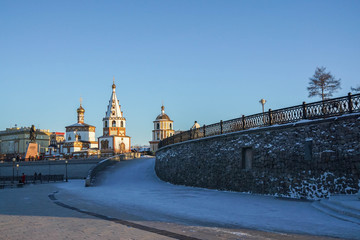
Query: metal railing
[[321, 109]]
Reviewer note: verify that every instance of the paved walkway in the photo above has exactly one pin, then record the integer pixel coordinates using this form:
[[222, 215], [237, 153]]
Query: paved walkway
[[29, 213]]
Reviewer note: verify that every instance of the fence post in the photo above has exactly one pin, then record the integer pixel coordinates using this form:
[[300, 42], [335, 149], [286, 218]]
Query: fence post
[[221, 126], [304, 110], [350, 103], [243, 121], [204, 130], [190, 133], [270, 117]]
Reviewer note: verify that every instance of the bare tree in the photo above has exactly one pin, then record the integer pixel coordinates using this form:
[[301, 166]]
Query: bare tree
[[323, 84], [355, 89]]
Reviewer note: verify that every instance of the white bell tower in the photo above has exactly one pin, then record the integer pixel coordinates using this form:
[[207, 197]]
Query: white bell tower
[[114, 139]]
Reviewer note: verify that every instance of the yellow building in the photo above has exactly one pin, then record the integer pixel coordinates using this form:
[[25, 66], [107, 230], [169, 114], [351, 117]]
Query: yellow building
[[163, 128], [14, 141]]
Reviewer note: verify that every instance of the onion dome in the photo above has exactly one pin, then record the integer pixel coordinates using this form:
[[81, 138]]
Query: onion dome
[[80, 109], [163, 116]]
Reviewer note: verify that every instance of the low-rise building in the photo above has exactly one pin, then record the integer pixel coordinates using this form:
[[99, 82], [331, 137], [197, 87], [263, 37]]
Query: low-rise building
[[14, 142], [56, 141]]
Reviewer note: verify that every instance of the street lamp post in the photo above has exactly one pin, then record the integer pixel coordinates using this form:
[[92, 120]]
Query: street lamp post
[[17, 172], [263, 101], [66, 175], [49, 171], [14, 159], [4, 174]]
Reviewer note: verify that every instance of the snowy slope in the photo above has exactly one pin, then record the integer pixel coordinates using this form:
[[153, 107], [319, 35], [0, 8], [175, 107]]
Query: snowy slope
[[133, 187]]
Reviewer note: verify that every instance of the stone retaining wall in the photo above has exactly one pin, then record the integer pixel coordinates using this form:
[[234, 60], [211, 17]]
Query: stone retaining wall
[[307, 159]]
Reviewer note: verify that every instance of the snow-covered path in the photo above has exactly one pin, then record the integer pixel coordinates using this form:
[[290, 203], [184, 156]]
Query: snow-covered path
[[133, 187]]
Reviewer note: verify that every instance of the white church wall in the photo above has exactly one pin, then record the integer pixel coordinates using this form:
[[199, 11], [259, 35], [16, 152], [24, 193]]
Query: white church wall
[[71, 135], [94, 145], [125, 140], [76, 149], [111, 144], [110, 140], [92, 137], [83, 136]]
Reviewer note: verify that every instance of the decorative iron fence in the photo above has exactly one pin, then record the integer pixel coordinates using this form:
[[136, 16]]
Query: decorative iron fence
[[315, 110]]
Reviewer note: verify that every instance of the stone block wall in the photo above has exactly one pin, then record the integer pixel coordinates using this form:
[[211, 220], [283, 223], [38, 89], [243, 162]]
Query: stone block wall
[[307, 159]]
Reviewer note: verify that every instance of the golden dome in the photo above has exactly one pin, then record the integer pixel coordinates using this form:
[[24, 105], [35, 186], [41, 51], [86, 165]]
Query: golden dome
[[163, 116], [80, 109]]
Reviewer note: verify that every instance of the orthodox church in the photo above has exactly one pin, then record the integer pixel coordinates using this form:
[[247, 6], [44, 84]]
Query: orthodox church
[[114, 139], [163, 128], [80, 137]]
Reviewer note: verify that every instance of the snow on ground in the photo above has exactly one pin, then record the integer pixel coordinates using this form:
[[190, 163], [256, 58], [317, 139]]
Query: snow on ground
[[133, 187]]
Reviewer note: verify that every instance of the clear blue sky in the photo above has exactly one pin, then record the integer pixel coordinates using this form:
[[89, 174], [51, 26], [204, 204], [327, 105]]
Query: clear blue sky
[[207, 60]]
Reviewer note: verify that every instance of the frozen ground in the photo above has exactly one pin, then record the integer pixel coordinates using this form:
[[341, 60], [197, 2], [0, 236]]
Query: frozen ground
[[131, 190], [28, 213]]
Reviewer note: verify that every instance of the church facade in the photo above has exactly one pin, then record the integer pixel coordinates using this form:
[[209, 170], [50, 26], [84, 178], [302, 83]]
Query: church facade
[[80, 137], [163, 128], [114, 139]]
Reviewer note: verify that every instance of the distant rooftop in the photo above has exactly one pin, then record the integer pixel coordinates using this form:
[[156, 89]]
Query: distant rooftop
[[58, 133], [80, 125], [20, 129]]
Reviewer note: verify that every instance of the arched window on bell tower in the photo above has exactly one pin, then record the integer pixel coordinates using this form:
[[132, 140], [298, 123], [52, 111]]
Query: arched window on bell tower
[[122, 124], [114, 123], [158, 126], [106, 124]]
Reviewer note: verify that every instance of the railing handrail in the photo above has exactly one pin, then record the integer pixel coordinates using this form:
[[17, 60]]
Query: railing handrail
[[314, 110]]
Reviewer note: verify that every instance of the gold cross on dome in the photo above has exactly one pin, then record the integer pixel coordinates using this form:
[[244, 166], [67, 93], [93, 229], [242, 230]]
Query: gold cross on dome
[[80, 101]]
